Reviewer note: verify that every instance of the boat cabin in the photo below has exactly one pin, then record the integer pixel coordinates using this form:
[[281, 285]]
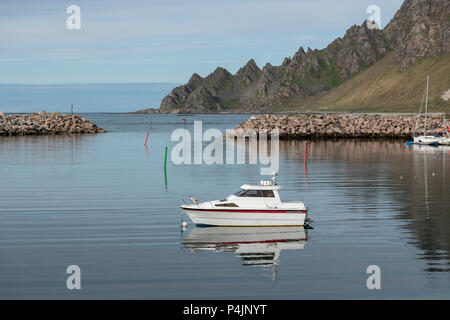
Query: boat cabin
[[265, 194]]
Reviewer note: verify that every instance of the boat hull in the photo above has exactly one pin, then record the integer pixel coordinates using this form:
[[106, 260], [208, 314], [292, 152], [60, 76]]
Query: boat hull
[[245, 218]]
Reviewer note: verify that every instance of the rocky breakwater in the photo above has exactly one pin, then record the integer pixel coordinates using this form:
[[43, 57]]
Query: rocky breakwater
[[45, 123], [341, 126]]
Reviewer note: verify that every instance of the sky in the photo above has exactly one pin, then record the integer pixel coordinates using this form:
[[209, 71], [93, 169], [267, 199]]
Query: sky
[[164, 40]]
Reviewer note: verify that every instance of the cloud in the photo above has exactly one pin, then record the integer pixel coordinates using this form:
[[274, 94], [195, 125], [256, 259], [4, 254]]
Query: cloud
[[115, 20], [155, 31]]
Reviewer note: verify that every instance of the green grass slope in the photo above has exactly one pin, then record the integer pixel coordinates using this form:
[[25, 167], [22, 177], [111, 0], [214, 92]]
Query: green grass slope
[[383, 87]]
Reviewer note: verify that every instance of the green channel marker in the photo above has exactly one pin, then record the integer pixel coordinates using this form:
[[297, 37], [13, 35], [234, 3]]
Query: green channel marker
[[165, 158]]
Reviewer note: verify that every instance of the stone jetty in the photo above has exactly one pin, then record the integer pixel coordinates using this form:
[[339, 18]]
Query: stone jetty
[[342, 126], [45, 123]]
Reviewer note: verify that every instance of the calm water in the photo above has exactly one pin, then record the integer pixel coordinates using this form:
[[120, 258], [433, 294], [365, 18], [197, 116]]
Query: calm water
[[100, 202]]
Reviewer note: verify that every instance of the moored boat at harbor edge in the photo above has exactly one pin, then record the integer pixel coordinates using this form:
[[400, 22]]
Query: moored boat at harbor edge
[[254, 205]]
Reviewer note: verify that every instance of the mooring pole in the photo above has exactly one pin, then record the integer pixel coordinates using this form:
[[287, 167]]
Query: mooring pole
[[71, 120], [306, 160], [165, 178], [185, 151], [306, 153], [165, 159], [165, 172]]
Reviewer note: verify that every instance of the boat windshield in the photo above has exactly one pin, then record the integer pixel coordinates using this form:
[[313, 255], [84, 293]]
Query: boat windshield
[[239, 193], [255, 193]]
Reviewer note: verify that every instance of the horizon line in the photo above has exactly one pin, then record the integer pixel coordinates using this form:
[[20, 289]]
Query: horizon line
[[84, 83]]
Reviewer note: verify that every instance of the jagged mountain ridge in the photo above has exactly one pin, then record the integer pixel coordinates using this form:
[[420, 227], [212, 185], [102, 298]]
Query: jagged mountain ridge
[[419, 29]]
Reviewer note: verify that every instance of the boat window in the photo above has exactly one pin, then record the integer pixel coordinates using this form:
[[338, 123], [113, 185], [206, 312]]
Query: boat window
[[250, 193], [255, 193], [227, 205], [267, 193]]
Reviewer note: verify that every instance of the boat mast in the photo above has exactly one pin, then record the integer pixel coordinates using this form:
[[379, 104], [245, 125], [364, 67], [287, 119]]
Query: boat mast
[[426, 108], [445, 127]]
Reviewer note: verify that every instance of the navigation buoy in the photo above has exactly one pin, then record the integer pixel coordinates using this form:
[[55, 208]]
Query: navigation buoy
[[165, 158]]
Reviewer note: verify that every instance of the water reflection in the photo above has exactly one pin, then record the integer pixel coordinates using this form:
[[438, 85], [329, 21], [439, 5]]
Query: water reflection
[[410, 182], [52, 149], [257, 246], [97, 201], [432, 236]]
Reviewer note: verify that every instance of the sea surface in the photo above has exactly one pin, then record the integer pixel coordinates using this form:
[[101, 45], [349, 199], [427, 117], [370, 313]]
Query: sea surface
[[104, 203]]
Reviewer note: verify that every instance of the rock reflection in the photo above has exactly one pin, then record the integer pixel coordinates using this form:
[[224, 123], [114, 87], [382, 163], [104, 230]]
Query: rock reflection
[[48, 149], [257, 246]]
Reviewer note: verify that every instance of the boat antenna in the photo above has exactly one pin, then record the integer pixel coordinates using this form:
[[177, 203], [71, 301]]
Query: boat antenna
[[274, 178]]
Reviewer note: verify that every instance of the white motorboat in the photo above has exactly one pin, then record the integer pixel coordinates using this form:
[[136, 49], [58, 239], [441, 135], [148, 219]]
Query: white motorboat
[[254, 205], [425, 139], [445, 141]]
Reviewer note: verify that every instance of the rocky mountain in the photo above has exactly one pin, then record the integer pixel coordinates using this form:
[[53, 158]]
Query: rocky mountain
[[419, 29]]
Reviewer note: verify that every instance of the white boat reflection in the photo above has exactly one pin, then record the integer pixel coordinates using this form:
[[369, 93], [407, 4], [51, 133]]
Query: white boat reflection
[[255, 246], [426, 148]]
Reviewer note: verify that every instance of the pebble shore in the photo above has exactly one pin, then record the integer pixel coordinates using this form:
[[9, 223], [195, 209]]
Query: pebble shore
[[45, 123], [342, 126]]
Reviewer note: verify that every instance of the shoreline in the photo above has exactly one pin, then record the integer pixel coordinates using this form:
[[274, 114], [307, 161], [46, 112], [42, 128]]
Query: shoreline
[[295, 126], [340, 126], [250, 113], [287, 113]]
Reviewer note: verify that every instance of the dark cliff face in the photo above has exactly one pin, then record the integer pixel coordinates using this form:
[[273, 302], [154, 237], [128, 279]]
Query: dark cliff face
[[419, 29]]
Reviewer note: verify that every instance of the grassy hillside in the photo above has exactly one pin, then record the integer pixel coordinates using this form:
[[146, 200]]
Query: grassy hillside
[[384, 88]]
